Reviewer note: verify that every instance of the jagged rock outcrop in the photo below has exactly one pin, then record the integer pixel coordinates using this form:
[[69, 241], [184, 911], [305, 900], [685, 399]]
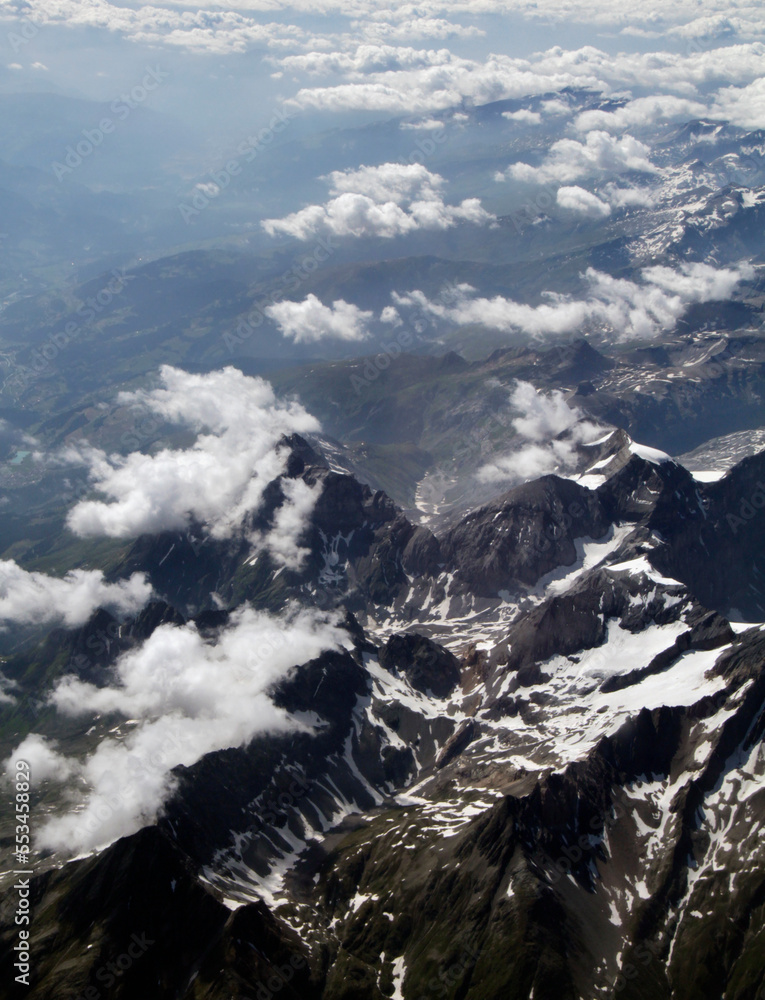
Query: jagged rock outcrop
[[429, 667], [523, 534]]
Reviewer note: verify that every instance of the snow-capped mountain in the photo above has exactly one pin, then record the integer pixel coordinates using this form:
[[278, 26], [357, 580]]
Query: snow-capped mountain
[[542, 725], [382, 501]]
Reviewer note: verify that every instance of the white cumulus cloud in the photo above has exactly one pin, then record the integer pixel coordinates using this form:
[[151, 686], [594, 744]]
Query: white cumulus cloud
[[742, 106], [576, 199], [45, 762], [310, 320], [569, 159], [642, 111], [549, 433], [389, 200], [28, 598], [282, 541], [625, 309], [188, 695], [525, 116], [216, 481]]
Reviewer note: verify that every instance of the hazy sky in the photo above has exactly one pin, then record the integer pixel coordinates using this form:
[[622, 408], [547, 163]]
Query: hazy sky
[[230, 66]]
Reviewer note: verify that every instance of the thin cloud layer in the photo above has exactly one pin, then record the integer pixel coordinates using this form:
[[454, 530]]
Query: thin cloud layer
[[217, 481], [389, 200], [188, 696], [36, 598], [624, 309], [282, 542], [687, 18], [363, 59], [310, 321]]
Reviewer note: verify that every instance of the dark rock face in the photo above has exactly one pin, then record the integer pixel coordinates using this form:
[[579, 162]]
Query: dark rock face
[[429, 667], [155, 613], [363, 551], [89, 651], [524, 534], [721, 554], [722, 394], [344, 505], [575, 362], [277, 777], [578, 619], [184, 567], [215, 795], [487, 898], [522, 891], [646, 492], [515, 899], [371, 550], [135, 922], [709, 536], [457, 743]]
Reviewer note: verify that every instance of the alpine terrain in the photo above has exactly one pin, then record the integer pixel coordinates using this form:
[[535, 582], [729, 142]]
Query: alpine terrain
[[382, 501]]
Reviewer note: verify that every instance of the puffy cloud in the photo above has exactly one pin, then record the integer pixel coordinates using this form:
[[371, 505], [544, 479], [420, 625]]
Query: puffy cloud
[[456, 305], [388, 200], [187, 695], [45, 762], [391, 315], [698, 282], [643, 311], [310, 320], [549, 433], [448, 83], [555, 106], [559, 316], [204, 29], [363, 60], [623, 308], [394, 30], [36, 598], [451, 80], [714, 27], [542, 416], [423, 125], [6, 687], [524, 116], [642, 111], [598, 205], [651, 12], [600, 152], [576, 199], [217, 481], [394, 182], [529, 462], [239, 25], [742, 106]]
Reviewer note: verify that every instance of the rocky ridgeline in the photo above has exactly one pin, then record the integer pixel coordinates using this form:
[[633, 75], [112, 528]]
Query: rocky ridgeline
[[505, 871]]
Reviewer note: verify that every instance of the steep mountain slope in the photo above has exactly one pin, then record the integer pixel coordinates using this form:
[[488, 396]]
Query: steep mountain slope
[[460, 415], [567, 799]]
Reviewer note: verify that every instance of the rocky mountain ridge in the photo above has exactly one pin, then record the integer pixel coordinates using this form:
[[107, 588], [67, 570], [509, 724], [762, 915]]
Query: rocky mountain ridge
[[567, 800]]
